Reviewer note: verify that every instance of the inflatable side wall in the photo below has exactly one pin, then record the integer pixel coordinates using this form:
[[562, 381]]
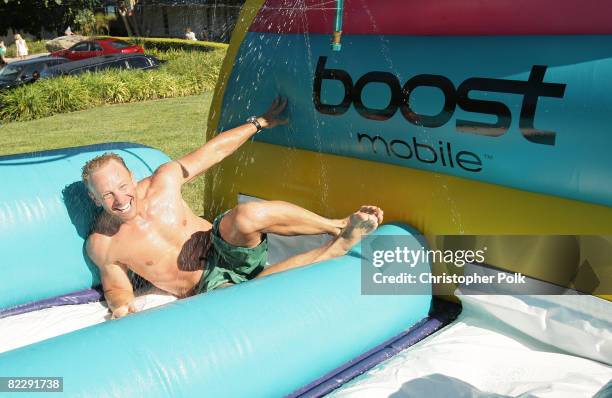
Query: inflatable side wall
[[265, 338], [455, 117]]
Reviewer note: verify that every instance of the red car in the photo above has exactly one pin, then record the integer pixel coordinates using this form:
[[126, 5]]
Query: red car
[[95, 48]]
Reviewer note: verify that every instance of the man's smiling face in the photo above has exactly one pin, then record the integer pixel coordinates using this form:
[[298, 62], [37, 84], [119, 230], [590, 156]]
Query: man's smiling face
[[112, 187]]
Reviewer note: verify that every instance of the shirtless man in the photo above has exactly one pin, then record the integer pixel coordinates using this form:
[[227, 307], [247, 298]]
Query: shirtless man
[[147, 227]]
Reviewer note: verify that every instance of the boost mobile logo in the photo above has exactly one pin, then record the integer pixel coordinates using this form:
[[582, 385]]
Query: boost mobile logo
[[531, 90]]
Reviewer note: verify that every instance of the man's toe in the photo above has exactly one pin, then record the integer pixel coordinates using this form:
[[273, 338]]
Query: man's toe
[[380, 214], [375, 211]]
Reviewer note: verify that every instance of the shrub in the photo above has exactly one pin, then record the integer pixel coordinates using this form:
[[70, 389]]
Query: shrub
[[165, 44], [184, 73], [102, 22], [85, 21], [27, 104]]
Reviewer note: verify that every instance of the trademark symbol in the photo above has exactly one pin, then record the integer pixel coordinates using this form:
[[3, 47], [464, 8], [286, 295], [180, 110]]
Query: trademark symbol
[[487, 156]]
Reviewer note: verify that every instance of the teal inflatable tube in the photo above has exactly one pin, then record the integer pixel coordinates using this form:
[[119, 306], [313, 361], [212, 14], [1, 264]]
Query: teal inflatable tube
[[45, 217], [263, 338]]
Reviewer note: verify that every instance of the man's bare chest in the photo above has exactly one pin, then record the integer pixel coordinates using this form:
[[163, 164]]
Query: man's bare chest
[[156, 237], [166, 236]]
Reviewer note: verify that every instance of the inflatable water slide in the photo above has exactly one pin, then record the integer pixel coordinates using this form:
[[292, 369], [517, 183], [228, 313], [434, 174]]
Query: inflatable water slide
[[480, 127]]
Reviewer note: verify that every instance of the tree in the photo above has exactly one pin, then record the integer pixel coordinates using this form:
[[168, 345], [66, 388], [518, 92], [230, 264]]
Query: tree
[[32, 16], [102, 22], [85, 22]]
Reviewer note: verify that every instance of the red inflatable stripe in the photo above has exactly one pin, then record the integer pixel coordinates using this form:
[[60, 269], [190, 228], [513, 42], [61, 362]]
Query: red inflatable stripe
[[438, 17]]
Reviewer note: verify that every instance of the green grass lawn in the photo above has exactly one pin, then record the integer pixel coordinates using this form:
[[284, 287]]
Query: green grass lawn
[[175, 126]]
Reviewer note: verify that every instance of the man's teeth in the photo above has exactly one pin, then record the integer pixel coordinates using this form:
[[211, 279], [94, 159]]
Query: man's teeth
[[124, 208]]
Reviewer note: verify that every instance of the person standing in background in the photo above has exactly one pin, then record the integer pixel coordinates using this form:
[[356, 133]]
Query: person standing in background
[[2, 54], [22, 47], [189, 35]]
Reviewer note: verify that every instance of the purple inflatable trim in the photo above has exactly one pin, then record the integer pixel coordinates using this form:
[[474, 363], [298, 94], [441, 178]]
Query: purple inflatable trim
[[78, 297], [442, 314]]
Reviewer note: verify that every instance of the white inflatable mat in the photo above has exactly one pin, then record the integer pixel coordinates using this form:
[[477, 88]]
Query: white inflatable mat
[[517, 346], [20, 330]]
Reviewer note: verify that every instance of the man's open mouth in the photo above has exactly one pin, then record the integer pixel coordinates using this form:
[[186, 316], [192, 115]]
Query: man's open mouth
[[125, 208]]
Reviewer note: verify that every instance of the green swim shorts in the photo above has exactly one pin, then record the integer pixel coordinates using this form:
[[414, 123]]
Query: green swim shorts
[[228, 263]]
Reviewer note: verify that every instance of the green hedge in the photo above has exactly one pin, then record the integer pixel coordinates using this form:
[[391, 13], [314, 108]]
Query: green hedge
[[164, 44], [161, 44], [184, 73]]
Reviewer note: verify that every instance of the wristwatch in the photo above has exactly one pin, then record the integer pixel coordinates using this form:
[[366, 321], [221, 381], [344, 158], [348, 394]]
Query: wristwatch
[[253, 119]]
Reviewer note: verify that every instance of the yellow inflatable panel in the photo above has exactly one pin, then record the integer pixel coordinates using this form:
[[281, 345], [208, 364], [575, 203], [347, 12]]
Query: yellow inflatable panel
[[433, 203]]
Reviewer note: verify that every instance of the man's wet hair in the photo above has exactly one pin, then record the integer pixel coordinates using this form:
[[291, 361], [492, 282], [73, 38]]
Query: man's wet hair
[[97, 162]]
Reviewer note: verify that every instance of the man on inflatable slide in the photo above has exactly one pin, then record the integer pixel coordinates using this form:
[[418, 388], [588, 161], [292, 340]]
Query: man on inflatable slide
[[147, 227]]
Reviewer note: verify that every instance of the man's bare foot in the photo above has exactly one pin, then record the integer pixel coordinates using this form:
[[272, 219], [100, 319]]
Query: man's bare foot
[[360, 223], [341, 224], [374, 210]]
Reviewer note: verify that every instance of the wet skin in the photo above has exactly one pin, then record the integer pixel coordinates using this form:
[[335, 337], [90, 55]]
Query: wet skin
[[158, 237], [147, 226]]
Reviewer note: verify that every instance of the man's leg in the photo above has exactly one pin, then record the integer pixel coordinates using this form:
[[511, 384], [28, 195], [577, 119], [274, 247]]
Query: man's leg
[[359, 224], [244, 225]]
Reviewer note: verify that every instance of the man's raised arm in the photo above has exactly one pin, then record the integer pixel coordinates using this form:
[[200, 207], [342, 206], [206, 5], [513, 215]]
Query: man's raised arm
[[221, 146]]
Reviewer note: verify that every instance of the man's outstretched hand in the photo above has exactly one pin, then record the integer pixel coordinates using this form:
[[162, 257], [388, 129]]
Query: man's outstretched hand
[[124, 310], [219, 147], [272, 117]]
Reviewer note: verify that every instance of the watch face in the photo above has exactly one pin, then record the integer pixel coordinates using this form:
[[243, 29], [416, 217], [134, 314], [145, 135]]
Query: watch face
[[253, 120]]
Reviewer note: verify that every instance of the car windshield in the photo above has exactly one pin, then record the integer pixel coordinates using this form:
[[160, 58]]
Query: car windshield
[[119, 44], [10, 72], [83, 46]]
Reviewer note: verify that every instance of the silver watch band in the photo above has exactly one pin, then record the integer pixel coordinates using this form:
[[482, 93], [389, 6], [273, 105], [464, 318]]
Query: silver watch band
[[255, 122]]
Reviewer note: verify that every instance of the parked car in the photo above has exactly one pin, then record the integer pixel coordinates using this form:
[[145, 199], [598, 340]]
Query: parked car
[[27, 71], [96, 64], [95, 48]]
